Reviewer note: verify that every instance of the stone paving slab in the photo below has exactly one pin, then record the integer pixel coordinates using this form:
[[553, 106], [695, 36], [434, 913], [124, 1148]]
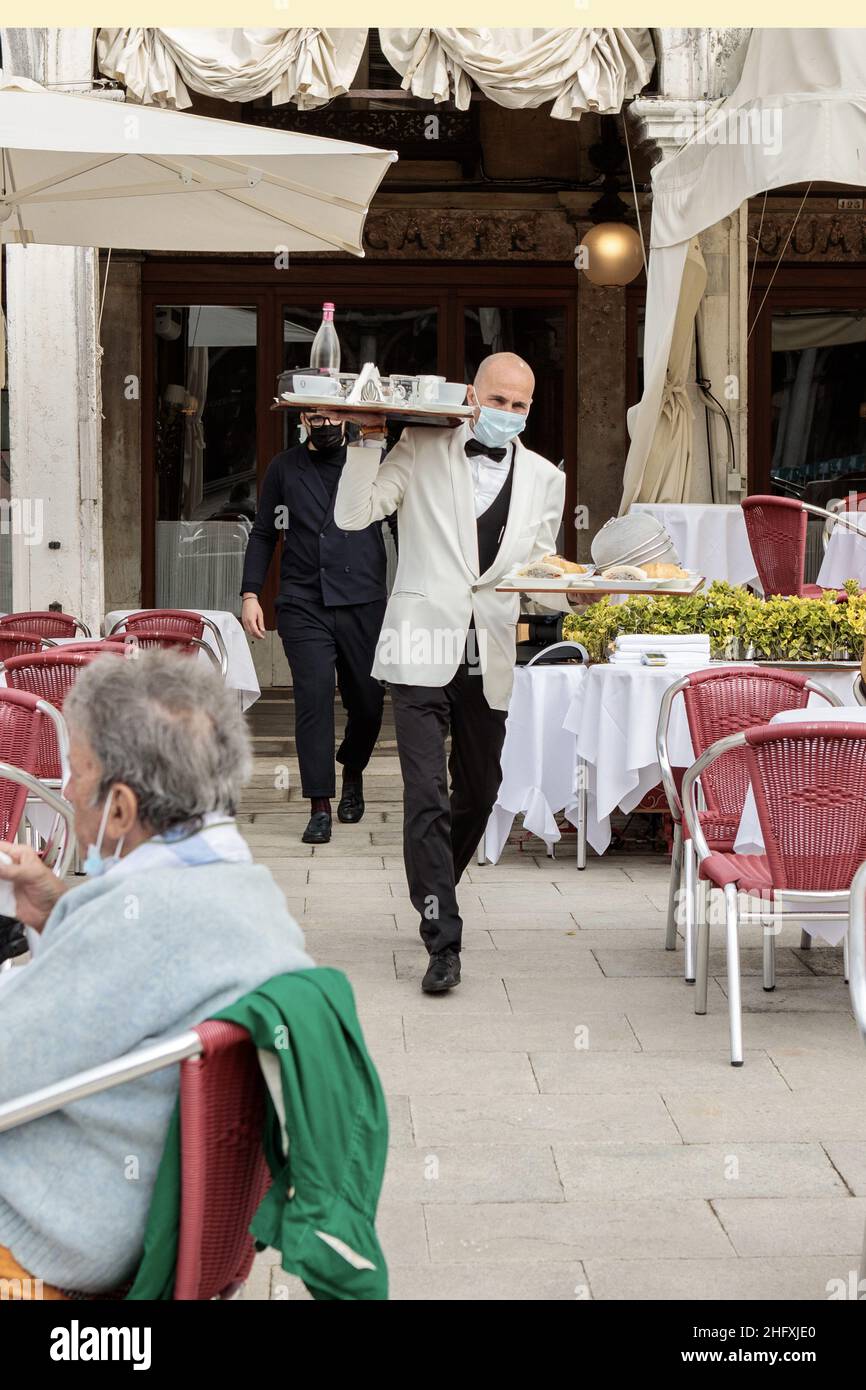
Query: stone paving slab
[[818, 1116], [588, 1072], [563, 1126], [697, 1170], [773, 1227], [480, 1033], [472, 1173], [534, 1120], [531, 1232], [800, 1278]]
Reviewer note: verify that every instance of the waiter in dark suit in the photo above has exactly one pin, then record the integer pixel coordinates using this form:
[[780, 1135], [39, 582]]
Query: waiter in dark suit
[[329, 611]]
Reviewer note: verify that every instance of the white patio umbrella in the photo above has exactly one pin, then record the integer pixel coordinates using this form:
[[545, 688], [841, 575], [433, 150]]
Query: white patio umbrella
[[80, 171]]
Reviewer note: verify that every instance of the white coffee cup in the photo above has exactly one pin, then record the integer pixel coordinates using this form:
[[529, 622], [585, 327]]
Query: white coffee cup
[[428, 389], [316, 386]]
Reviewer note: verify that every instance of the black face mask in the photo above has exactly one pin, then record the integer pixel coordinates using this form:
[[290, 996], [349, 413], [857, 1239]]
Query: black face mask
[[326, 438]]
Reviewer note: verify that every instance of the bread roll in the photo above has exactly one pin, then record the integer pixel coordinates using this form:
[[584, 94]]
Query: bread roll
[[623, 572], [566, 566], [664, 570]]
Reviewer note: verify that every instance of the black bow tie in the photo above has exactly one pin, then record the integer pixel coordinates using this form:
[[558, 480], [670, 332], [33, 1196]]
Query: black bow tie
[[474, 446]]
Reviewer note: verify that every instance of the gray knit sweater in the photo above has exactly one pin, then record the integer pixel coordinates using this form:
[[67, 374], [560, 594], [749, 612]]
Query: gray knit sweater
[[121, 962]]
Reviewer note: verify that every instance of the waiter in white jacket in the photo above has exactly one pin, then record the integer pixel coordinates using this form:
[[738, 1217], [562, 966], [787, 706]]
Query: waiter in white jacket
[[472, 505]]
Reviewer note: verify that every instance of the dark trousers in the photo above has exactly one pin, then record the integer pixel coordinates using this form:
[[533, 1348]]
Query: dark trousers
[[325, 647], [441, 831]]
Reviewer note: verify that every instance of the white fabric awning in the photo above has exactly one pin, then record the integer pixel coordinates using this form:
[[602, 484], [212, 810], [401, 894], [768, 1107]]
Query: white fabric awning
[[577, 70], [797, 114], [158, 66]]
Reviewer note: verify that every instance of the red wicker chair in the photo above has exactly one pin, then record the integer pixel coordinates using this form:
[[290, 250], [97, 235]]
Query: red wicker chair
[[857, 969], [718, 703], [809, 783], [50, 676], [163, 639], [175, 620], [49, 623], [776, 528], [15, 642], [25, 721], [224, 1173]]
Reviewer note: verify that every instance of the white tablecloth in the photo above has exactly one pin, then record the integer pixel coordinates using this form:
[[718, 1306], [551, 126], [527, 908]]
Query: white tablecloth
[[614, 716], [709, 539], [845, 557], [241, 673], [539, 762]]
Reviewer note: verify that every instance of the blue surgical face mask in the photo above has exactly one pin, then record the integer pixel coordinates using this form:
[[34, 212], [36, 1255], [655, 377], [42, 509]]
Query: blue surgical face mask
[[497, 427], [94, 864]]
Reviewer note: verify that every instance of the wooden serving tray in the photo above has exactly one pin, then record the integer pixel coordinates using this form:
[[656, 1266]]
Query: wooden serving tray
[[415, 414], [633, 586]]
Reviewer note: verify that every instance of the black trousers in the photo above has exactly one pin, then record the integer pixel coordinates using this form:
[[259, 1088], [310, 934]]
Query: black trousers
[[441, 831], [327, 647]]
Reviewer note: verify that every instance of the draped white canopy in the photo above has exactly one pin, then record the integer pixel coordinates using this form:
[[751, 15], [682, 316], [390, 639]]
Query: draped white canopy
[[577, 70], [797, 114]]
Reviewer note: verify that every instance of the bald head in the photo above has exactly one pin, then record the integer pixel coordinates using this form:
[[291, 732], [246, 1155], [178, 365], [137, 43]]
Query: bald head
[[505, 382]]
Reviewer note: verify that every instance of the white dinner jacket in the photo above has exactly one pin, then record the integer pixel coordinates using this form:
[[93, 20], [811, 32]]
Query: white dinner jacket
[[427, 480]]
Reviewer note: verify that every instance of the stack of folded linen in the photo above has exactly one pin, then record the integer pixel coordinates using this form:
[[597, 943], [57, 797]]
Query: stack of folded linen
[[685, 651]]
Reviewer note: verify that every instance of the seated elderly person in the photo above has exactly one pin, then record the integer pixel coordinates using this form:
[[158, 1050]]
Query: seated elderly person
[[173, 923]]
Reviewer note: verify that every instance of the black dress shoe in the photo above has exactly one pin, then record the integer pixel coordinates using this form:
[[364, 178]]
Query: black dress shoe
[[318, 831], [351, 804], [443, 972]]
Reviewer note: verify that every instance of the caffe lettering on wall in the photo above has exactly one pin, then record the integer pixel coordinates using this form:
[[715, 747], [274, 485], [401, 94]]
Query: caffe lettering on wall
[[457, 235], [821, 236]]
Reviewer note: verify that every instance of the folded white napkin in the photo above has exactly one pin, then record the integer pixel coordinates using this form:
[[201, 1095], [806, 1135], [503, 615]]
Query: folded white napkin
[[646, 639], [368, 387]]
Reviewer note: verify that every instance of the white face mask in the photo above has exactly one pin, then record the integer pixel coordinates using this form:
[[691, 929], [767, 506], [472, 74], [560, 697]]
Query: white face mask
[[94, 864]]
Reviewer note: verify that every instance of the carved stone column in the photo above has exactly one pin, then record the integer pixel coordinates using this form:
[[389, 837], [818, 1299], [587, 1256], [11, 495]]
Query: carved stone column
[[54, 378]]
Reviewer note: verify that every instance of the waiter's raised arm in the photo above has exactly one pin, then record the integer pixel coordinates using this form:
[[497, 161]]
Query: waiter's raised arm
[[369, 490]]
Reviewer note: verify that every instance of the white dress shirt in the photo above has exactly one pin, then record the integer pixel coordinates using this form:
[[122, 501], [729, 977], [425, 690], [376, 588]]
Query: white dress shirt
[[488, 478]]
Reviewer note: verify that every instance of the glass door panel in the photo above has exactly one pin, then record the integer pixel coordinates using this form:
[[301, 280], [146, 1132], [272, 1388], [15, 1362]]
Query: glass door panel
[[205, 451], [818, 397], [398, 338]]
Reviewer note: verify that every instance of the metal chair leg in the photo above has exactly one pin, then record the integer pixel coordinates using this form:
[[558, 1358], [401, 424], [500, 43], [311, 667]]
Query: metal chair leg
[[769, 944], [480, 856], [675, 886], [732, 944], [689, 890], [582, 774], [703, 964], [845, 956]]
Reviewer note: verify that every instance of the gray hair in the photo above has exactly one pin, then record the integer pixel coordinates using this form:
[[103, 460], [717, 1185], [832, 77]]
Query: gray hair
[[166, 726]]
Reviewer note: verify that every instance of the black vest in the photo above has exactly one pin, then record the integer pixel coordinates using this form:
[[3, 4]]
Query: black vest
[[491, 523]]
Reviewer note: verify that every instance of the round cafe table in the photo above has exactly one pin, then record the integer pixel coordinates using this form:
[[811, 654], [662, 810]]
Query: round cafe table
[[709, 538], [539, 759], [241, 673], [845, 556], [614, 715]]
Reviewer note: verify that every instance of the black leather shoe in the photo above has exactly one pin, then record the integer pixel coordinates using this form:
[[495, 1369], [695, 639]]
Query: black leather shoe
[[351, 804], [443, 972], [318, 831]]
